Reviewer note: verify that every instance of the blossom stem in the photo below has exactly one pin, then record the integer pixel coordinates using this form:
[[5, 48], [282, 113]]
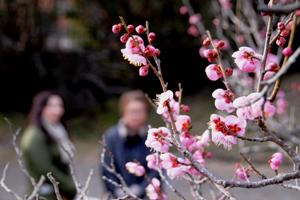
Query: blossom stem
[[278, 82], [266, 50], [252, 166], [226, 83]]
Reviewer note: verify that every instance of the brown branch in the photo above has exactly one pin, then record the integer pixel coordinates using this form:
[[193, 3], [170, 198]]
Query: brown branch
[[265, 51], [257, 139], [284, 68], [112, 169], [252, 166], [226, 83], [278, 9], [278, 82]]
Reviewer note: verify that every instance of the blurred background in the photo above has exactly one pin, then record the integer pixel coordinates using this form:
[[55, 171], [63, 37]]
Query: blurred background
[[67, 45]]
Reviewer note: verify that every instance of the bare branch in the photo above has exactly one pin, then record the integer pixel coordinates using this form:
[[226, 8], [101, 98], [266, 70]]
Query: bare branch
[[278, 9], [5, 187], [55, 186]]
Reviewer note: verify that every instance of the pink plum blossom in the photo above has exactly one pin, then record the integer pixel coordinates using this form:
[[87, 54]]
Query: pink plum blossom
[[241, 172], [269, 109], [135, 168], [249, 107], [183, 123], [268, 75], [153, 190], [225, 130], [158, 139], [281, 103], [188, 141], [183, 10], [276, 160], [205, 138], [194, 19], [132, 52], [213, 72], [174, 166], [226, 4], [162, 100], [193, 31], [288, 51], [153, 161], [247, 59], [224, 99], [144, 70]]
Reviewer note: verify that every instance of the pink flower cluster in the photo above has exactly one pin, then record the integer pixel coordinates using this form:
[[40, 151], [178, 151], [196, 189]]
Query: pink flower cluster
[[224, 131], [252, 106], [159, 139], [153, 190], [214, 71], [135, 168], [247, 59], [281, 103], [276, 160], [241, 172], [284, 32], [224, 100], [135, 51]]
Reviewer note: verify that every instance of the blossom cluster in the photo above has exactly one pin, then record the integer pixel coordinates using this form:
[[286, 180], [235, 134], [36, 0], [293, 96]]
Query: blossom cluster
[[136, 51], [161, 140], [234, 111]]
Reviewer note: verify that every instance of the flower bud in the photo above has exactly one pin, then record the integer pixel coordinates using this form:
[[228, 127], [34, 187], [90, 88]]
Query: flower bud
[[143, 71], [280, 26], [124, 38], [140, 29], [206, 42], [116, 28], [287, 51], [130, 28], [281, 41], [285, 33], [220, 44], [152, 37]]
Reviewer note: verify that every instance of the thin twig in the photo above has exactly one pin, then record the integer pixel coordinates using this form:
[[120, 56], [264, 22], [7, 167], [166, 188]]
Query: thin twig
[[5, 187], [252, 166], [55, 186]]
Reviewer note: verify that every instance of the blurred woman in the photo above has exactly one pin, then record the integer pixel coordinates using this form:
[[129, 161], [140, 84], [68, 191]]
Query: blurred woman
[[125, 142], [47, 147]]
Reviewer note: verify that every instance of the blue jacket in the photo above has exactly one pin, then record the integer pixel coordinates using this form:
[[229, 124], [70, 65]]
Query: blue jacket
[[124, 149]]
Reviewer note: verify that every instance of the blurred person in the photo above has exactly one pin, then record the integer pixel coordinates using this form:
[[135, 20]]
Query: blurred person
[[125, 142], [47, 147]]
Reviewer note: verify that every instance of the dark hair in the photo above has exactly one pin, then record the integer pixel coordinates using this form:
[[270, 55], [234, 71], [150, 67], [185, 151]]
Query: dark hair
[[39, 102], [134, 95]]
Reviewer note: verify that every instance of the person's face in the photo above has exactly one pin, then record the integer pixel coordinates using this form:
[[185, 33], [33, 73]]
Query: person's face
[[54, 109], [135, 115]]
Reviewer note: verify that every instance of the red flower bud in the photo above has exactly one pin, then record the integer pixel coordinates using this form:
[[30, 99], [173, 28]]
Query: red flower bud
[[287, 51], [220, 44], [280, 26], [140, 29], [206, 42], [281, 41], [116, 28], [130, 28], [124, 38], [152, 37], [228, 71], [285, 33]]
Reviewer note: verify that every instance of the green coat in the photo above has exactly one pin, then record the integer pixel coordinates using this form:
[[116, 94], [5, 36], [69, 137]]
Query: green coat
[[42, 156]]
